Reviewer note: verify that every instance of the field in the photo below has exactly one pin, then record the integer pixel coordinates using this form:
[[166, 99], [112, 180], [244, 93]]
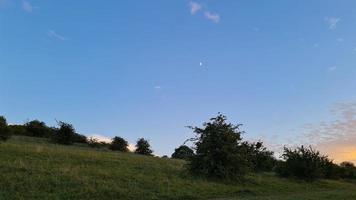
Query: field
[[35, 169]]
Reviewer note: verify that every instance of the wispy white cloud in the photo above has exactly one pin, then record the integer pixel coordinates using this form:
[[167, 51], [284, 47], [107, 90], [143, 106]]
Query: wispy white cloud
[[214, 17], [194, 7], [332, 68], [157, 87], [340, 39], [332, 22], [336, 138], [53, 34], [27, 6]]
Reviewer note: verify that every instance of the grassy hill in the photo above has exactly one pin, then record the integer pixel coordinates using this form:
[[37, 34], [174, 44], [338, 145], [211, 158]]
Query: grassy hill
[[35, 169]]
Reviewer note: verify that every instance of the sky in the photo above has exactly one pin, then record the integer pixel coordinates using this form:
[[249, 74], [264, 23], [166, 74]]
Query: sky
[[284, 69]]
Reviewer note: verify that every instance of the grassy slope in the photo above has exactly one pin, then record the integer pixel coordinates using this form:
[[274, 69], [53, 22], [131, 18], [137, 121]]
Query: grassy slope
[[34, 169]]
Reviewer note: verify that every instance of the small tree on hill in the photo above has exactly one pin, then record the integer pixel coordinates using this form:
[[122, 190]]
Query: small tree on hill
[[143, 147], [305, 163], [4, 130], [183, 152], [261, 159], [119, 144], [219, 152], [64, 134], [37, 128]]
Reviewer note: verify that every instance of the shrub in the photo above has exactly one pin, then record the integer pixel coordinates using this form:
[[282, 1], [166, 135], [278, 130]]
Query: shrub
[[119, 144], [305, 163], [78, 138], [93, 142], [143, 147], [37, 128], [4, 130], [219, 151], [183, 152], [347, 170], [260, 158], [64, 134], [17, 129]]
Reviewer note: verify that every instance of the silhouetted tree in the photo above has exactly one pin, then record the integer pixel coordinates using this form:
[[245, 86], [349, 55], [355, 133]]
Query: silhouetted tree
[[78, 138], [347, 170], [93, 142], [305, 163], [17, 129], [37, 128], [261, 159], [183, 152], [143, 147], [347, 164], [4, 130], [219, 151], [119, 144], [64, 134]]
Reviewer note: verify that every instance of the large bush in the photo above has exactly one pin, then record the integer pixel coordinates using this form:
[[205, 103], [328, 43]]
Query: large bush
[[260, 158], [65, 134], [4, 130], [219, 150], [17, 130], [183, 152], [347, 170], [78, 138], [305, 163], [38, 128], [143, 147], [119, 144]]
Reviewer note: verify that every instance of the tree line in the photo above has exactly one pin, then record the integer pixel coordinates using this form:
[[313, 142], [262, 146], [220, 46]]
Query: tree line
[[66, 134], [218, 151]]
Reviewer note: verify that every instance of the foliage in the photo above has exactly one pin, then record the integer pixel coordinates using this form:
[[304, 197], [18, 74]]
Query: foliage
[[93, 142], [38, 128], [34, 169], [64, 134], [78, 138], [143, 147], [347, 170], [219, 150], [347, 164], [183, 152], [18, 130], [119, 144], [260, 158], [4, 130], [305, 163]]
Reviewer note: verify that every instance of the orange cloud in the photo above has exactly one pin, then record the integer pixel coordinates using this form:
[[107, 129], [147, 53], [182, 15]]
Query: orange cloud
[[336, 138]]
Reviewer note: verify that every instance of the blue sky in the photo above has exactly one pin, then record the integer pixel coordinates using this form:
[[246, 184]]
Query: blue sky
[[150, 68]]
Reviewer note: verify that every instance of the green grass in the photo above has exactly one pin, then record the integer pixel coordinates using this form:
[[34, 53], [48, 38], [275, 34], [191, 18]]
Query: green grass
[[35, 169]]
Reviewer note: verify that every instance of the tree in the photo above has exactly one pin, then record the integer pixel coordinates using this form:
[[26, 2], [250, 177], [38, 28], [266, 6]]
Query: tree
[[261, 159], [183, 152], [38, 128], [78, 138], [347, 164], [64, 134], [143, 147], [93, 142], [219, 151], [119, 144], [4, 130], [347, 170], [305, 163]]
